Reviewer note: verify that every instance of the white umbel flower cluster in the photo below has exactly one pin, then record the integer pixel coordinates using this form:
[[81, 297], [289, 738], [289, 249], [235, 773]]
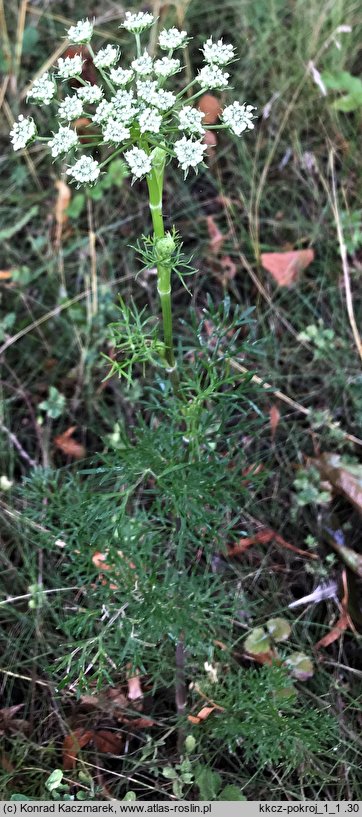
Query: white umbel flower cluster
[[103, 112], [23, 131], [70, 67], [150, 121], [189, 153], [121, 76], [124, 105], [136, 23], [218, 53], [238, 117], [164, 100], [143, 65], [134, 106], [138, 161], [116, 132], [43, 89], [172, 38], [90, 93], [65, 139], [211, 76], [81, 32], [86, 170], [166, 67], [70, 108], [106, 57], [190, 120]]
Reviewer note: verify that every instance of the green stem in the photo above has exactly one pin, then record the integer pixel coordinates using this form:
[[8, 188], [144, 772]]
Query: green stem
[[155, 191]]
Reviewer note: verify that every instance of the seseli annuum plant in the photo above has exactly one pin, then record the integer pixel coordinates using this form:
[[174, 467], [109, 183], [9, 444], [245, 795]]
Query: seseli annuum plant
[[133, 547], [144, 112]]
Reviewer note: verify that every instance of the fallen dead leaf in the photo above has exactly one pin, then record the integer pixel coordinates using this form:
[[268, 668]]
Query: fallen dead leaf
[[285, 267], [335, 633], [63, 200], [68, 446], [262, 658], [274, 416], [210, 140], [217, 238], [263, 537], [134, 688], [211, 108], [72, 745], [107, 741], [202, 715]]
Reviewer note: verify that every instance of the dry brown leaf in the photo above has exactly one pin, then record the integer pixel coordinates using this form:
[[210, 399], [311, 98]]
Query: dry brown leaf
[[62, 202], [99, 560], [335, 633], [274, 416], [268, 657], [217, 238], [5, 274], [210, 140], [72, 745], [285, 267], [6, 764], [69, 446], [134, 688], [140, 723], [211, 108], [106, 741], [202, 715], [263, 537]]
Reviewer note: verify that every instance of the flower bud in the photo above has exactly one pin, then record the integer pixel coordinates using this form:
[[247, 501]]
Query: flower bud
[[165, 247]]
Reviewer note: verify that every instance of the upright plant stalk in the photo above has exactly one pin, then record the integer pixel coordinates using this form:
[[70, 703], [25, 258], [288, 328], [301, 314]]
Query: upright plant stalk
[[164, 247]]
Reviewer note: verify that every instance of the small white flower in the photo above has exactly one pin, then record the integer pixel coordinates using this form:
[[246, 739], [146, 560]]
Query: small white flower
[[143, 65], [124, 106], [70, 67], [164, 100], [137, 22], [23, 131], [189, 153], [219, 53], [190, 120], [123, 99], [238, 117], [106, 56], [138, 161], [65, 139], [172, 38], [90, 93], [211, 76], [211, 671], [5, 483], [103, 112], [166, 67], [81, 32], [85, 169], [121, 76], [43, 89], [146, 88], [115, 132], [70, 108], [150, 121]]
